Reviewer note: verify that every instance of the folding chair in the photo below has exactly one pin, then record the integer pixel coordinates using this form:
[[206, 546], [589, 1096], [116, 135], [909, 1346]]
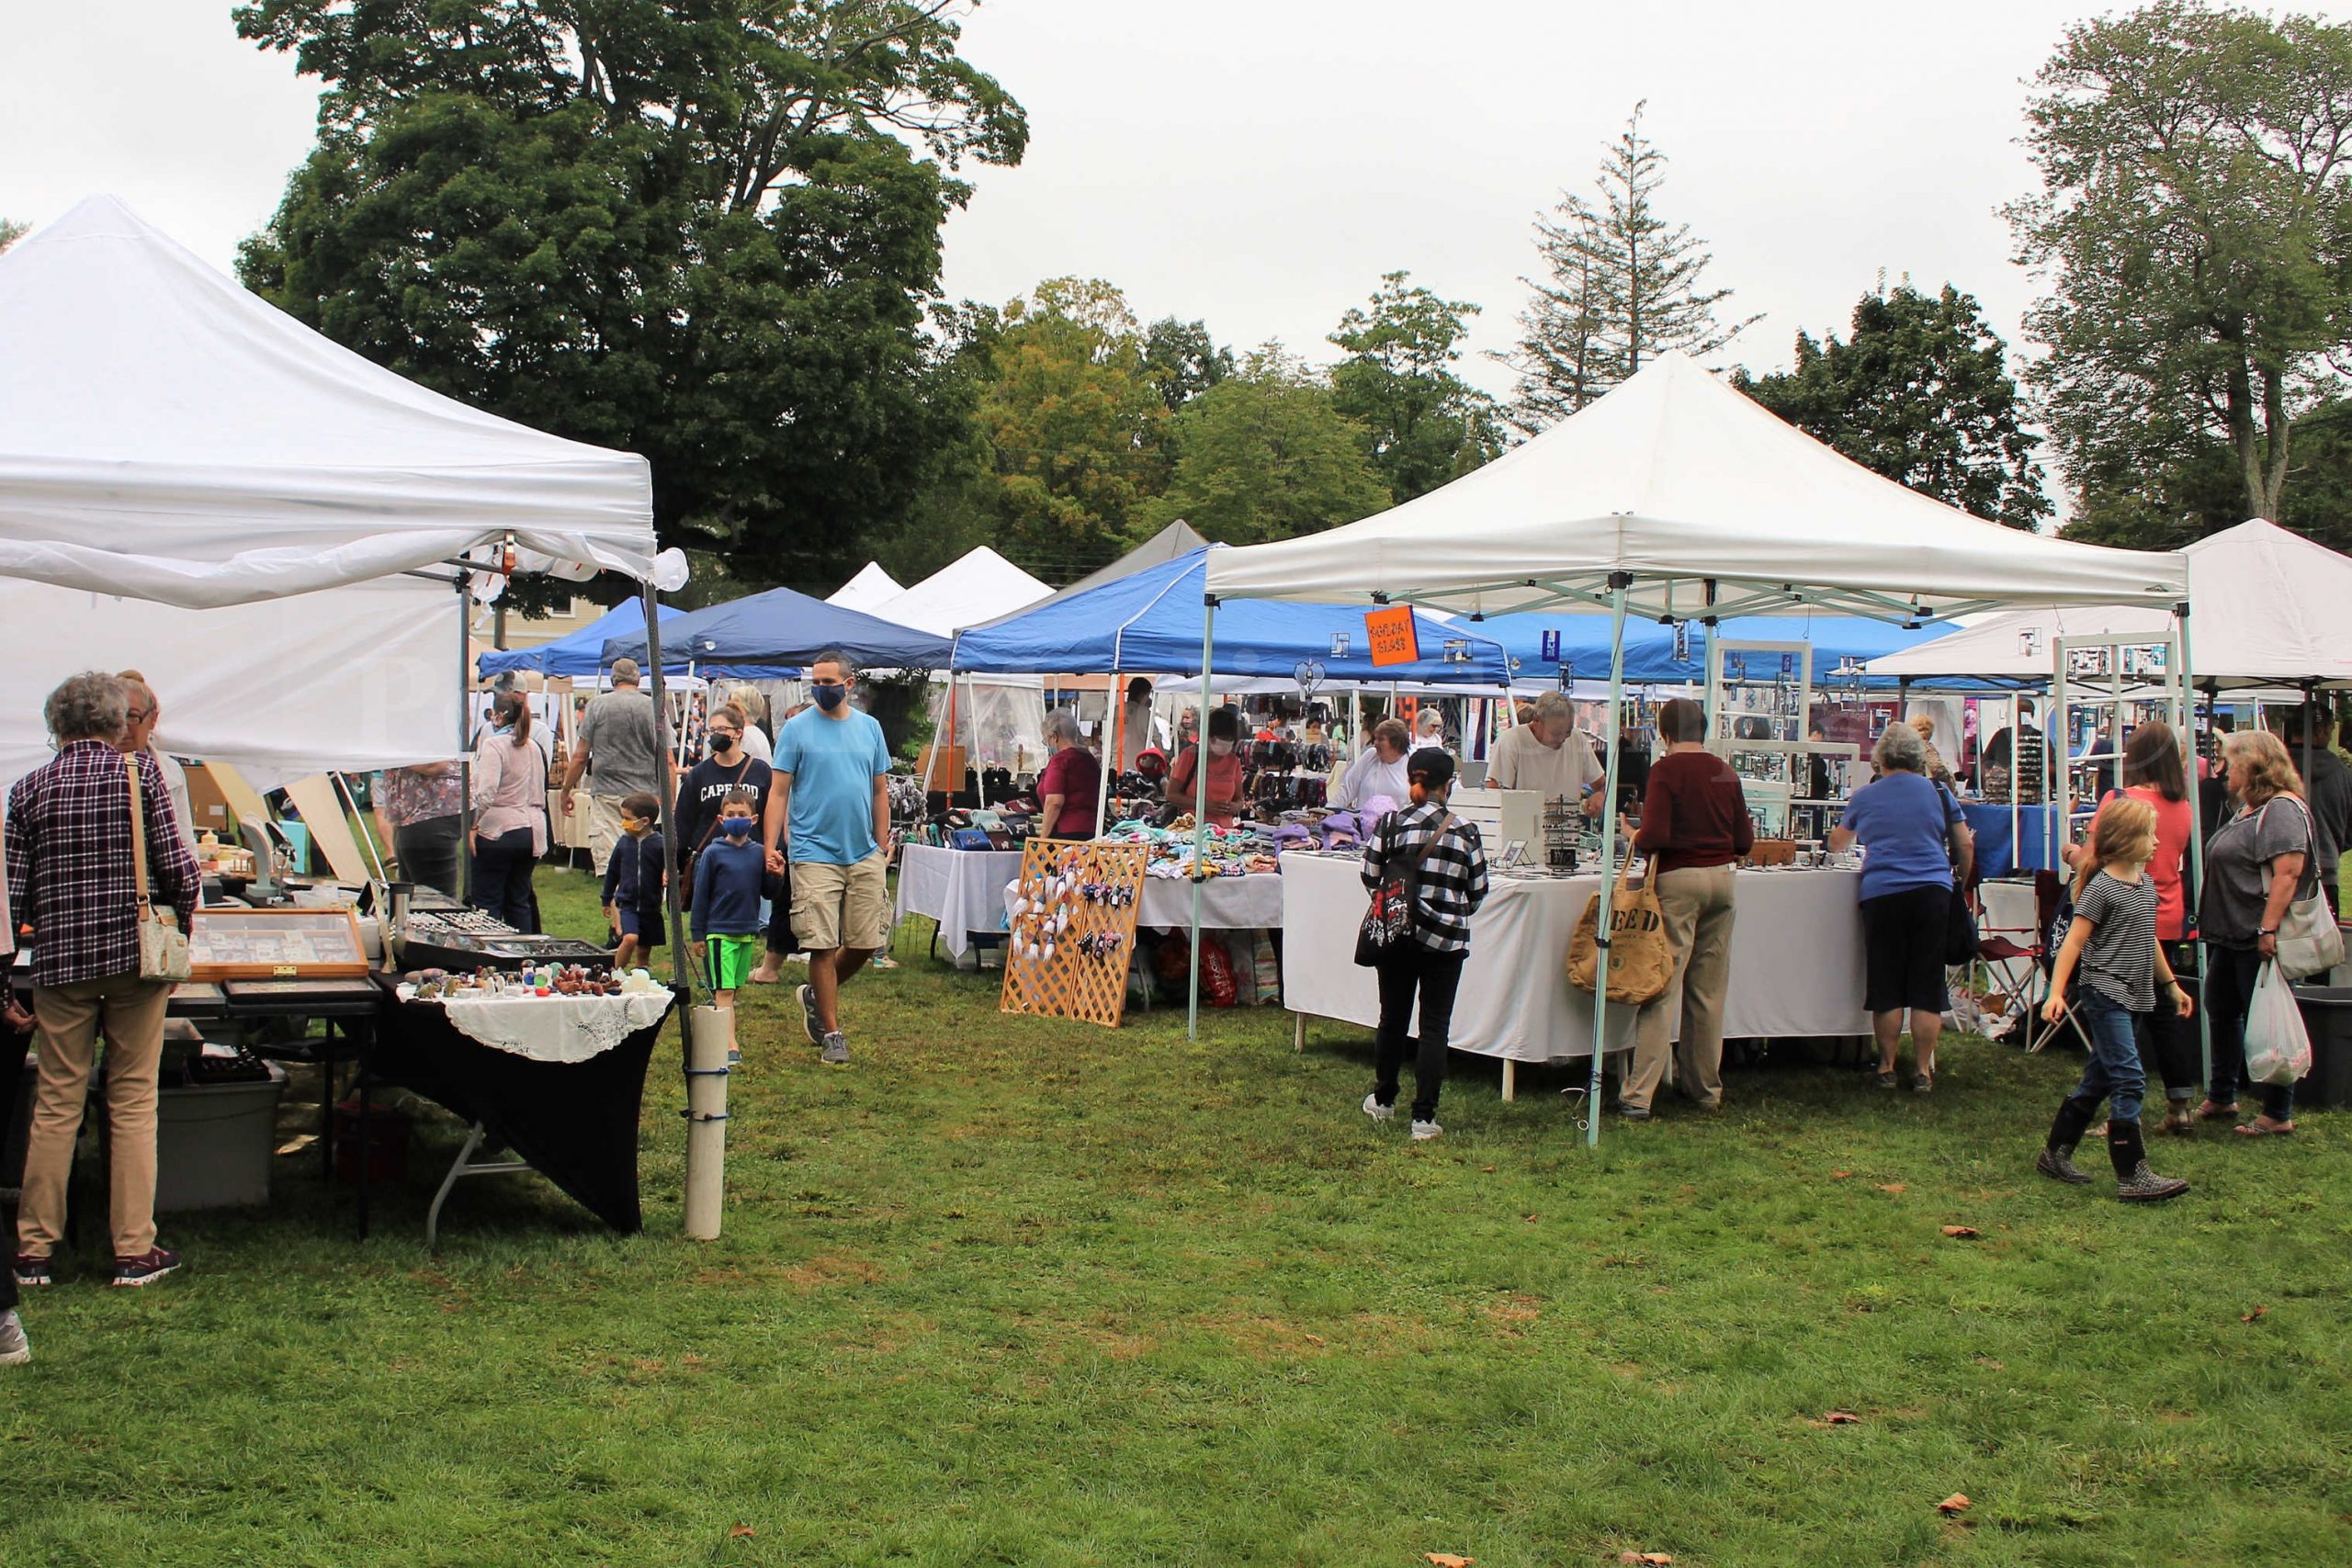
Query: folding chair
[[2000, 949]]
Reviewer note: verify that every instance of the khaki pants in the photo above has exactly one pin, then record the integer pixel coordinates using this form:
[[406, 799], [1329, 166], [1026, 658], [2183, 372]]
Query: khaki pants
[[69, 1017], [1697, 904], [603, 829], [841, 906]]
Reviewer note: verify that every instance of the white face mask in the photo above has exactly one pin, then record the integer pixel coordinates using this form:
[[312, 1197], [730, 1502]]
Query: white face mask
[[1220, 748]]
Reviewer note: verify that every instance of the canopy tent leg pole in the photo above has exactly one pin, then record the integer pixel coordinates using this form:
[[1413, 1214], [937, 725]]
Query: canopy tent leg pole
[[465, 751], [1619, 582], [1114, 724], [681, 971], [1201, 807], [2195, 888]]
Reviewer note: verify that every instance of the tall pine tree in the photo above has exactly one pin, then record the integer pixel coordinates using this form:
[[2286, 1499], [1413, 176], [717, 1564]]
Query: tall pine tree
[[1621, 285]]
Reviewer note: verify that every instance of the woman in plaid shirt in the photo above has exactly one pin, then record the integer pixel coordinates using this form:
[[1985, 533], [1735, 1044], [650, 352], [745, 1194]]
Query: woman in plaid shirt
[[1453, 885], [71, 878]]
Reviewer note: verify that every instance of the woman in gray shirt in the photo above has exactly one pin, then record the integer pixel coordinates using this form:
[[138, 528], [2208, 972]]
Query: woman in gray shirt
[[2257, 863]]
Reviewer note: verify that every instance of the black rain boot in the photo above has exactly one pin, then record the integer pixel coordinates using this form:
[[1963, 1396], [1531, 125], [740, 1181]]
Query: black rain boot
[[2134, 1182], [2056, 1160]]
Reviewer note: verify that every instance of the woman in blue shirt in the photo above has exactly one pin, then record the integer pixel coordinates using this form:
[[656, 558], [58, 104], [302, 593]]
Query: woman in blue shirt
[[1913, 839]]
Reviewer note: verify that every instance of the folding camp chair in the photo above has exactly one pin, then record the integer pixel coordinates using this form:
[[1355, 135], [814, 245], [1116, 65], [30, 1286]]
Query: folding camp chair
[[2001, 949]]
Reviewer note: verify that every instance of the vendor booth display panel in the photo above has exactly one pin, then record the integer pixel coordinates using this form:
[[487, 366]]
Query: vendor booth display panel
[[1796, 960], [1073, 930]]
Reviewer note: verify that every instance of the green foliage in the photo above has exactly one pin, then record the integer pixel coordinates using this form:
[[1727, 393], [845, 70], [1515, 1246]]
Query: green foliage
[[10, 232], [1922, 394], [1183, 360], [1074, 427], [1621, 285], [2196, 222], [700, 233], [1425, 424], [1266, 454], [2198, 489]]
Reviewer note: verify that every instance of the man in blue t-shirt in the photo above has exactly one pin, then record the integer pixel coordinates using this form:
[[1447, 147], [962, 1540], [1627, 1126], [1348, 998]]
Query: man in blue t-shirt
[[830, 815]]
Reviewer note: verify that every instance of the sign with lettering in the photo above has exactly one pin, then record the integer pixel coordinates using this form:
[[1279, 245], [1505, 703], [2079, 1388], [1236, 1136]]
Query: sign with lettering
[[1392, 635], [1551, 654]]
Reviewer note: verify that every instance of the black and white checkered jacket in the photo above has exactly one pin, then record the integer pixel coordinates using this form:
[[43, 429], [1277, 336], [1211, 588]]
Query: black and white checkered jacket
[[1454, 875]]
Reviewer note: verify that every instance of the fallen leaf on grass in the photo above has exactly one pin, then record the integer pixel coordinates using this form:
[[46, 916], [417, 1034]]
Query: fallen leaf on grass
[[1956, 1503], [1447, 1559], [1839, 1175], [1890, 1187], [2259, 1312], [1654, 1559], [1839, 1418], [740, 1531], [1963, 1233], [1531, 1219], [1487, 1168]]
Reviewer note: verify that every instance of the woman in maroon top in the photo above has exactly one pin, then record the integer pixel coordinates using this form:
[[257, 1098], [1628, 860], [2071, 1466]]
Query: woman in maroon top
[[1694, 827], [1071, 789]]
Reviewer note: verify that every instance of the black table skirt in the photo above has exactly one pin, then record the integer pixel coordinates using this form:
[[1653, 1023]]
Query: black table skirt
[[575, 1122]]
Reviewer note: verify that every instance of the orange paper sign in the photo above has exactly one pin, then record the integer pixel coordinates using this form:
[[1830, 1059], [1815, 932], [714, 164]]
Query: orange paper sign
[[1392, 635]]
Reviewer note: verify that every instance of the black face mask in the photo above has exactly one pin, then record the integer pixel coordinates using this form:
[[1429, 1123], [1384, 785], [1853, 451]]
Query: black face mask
[[829, 694], [720, 743]]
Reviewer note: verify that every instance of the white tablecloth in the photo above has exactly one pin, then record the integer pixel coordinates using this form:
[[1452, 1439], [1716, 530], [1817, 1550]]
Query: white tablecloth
[[1796, 960], [556, 1029], [962, 889], [1227, 902]]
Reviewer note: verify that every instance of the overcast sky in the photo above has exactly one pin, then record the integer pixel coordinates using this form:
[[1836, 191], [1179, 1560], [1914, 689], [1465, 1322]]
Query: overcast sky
[[1260, 165]]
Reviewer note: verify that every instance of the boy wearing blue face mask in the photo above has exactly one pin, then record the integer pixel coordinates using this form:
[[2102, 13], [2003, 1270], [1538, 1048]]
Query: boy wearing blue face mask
[[728, 939]]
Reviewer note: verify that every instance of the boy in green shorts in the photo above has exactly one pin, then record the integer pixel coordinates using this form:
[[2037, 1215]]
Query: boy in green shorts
[[729, 938]]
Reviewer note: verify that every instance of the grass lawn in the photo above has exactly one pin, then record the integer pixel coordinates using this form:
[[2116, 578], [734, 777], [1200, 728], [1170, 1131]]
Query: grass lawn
[[1022, 1291]]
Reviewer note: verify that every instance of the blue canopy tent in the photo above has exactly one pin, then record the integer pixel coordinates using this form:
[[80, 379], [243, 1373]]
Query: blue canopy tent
[[1584, 642], [580, 652], [750, 637], [1149, 623]]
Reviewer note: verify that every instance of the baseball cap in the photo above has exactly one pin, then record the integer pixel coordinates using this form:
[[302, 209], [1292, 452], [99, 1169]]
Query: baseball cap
[[1430, 767]]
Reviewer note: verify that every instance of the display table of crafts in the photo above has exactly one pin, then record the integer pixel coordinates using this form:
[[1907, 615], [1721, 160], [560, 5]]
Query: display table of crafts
[[963, 890], [558, 1080], [1796, 961]]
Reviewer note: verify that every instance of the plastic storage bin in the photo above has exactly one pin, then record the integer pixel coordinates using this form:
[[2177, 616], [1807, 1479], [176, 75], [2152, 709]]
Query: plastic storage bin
[[2327, 1019], [213, 1144]]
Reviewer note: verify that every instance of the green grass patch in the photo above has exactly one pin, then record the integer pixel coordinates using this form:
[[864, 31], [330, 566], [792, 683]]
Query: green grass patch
[[1022, 1291]]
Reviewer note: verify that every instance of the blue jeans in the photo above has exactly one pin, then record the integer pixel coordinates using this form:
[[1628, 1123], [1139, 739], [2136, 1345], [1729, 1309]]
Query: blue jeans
[[2113, 1073]]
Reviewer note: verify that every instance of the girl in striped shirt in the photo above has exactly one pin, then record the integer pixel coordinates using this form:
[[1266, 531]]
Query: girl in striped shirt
[[2124, 976]]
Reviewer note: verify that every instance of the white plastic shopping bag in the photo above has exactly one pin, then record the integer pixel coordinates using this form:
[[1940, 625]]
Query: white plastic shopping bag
[[2276, 1049]]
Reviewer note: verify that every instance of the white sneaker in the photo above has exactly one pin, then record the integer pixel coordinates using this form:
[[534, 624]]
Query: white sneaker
[[14, 1351], [1377, 1111], [1424, 1131]]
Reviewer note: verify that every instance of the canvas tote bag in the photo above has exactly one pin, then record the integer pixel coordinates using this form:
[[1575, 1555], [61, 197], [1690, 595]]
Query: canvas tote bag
[[163, 946], [1641, 960], [2309, 939]]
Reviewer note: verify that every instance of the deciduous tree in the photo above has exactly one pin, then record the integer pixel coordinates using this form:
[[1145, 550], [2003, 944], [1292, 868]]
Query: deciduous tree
[[1424, 425], [1266, 454], [706, 233], [1921, 393], [2195, 221]]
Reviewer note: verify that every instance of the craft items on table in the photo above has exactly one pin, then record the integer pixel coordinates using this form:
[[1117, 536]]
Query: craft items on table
[[1071, 919]]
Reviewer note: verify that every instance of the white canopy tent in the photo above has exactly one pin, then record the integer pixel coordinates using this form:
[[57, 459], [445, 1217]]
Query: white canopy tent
[[1676, 496], [871, 588], [999, 719], [1679, 481], [169, 439], [981, 586], [2271, 609]]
